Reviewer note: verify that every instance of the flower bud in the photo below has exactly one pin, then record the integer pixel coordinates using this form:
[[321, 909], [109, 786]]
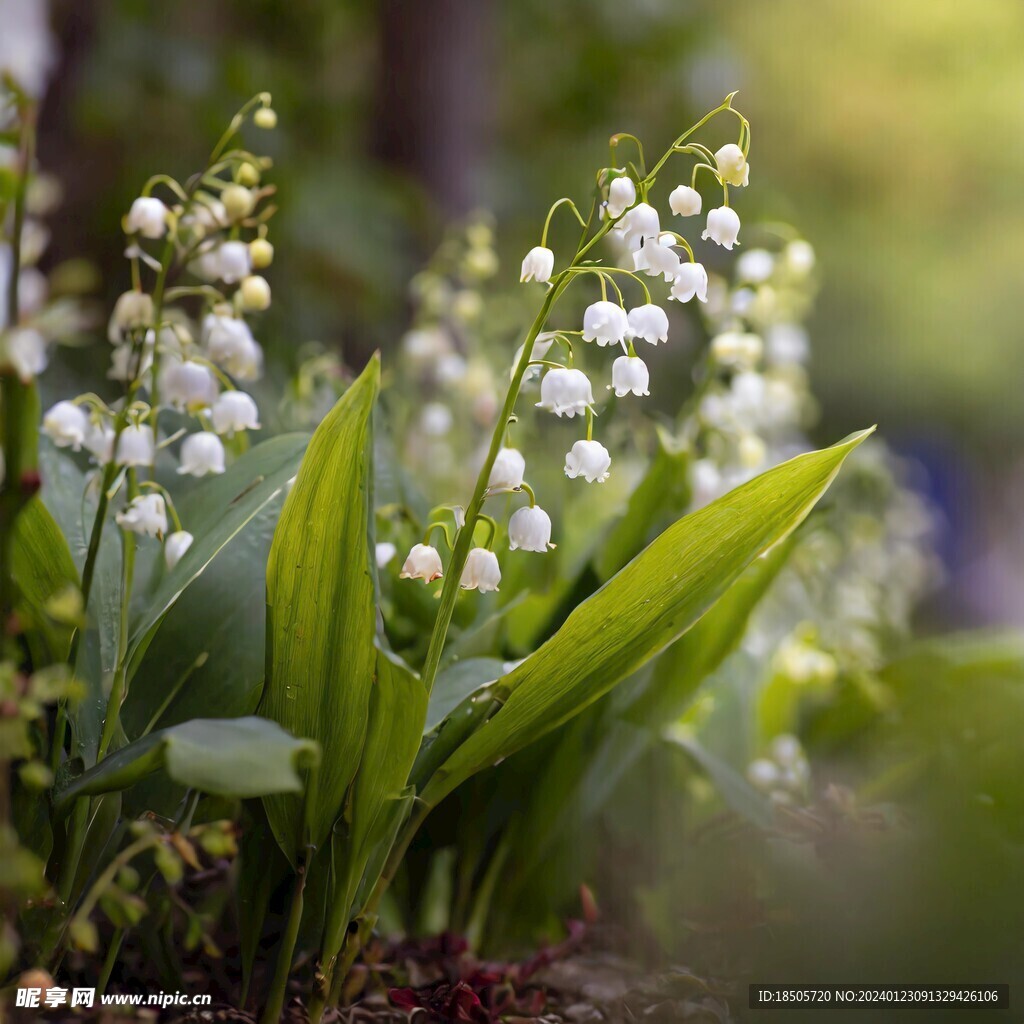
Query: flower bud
[[261, 253], [175, 546], [684, 201], [248, 174], [202, 453], [732, 165], [529, 529], [481, 571], [255, 293], [589, 459], [538, 264], [423, 563], [265, 117], [238, 201], [66, 425]]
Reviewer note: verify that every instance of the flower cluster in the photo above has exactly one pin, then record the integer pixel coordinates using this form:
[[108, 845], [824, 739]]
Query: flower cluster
[[784, 773], [623, 211], [183, 350]]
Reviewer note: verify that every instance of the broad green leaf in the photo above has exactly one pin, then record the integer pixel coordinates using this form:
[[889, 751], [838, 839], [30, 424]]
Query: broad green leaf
[[456, 682], [643, 608], [43, 568], [398, 707], [214, 513], [321, 617], [230, 757]]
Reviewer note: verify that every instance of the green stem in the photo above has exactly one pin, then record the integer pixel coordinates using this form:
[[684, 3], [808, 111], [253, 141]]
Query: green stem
[[279, 987]]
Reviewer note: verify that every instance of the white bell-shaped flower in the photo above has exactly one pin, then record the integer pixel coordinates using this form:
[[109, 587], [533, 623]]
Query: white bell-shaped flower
[[27, 352], [66, 425], [230, 344], [755, 266], [630, 374], [147, 217], [541, 348], [189, 385], [690, 281], [538, 264], [621, 196], [565, 392], [589, 459], [234, 411], [145, 515], [737, 349], [99, 440], [135, 446], [657, 258], [383, 552], [732, 165], [423, 563], [127, 363], [529, 529], [605, 322], [481, 572], [175, 546], [233, 261], [684, 201], [508, 470], [763, 774], [131, 311], [640, 223], [649, 322], [723, 226], [202, 453]]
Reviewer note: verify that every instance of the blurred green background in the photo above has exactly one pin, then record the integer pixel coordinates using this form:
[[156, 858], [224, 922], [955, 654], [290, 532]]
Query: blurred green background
[[888, 133]]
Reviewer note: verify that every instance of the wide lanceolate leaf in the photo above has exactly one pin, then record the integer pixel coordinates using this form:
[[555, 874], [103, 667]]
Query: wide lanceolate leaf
[[643, 608], [230, 757], [321, 616]]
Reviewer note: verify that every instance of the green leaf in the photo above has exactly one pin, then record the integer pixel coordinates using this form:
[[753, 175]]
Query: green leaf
[[42, 567], [321, 616], [456, 682], [214, 513], [643, 608], [230, 757]]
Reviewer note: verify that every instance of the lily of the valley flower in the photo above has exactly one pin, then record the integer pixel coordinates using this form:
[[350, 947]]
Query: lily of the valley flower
[[423, 563], [630, 374], [383, 553], [135, 446], [234, 411], [131, 311], [736, 349], [684, 201], [589, 459], [481, 572], [230, 344], [538, 264], [621, 196], [691, 280], [605, 322], [228, 262], [657, 258], [146, 515], [238, 201], [66, 425], [529, 529], [26, 352], [147, 217], [565, 392], [649, 322], [99, 440], [189, 385], [254, 293], [640, 223], [175, 546], [508, 471], [202, 453], [723, 226], [732, 165]]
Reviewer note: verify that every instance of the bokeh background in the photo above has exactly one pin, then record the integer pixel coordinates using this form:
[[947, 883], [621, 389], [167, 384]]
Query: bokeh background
[[888, 133]]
